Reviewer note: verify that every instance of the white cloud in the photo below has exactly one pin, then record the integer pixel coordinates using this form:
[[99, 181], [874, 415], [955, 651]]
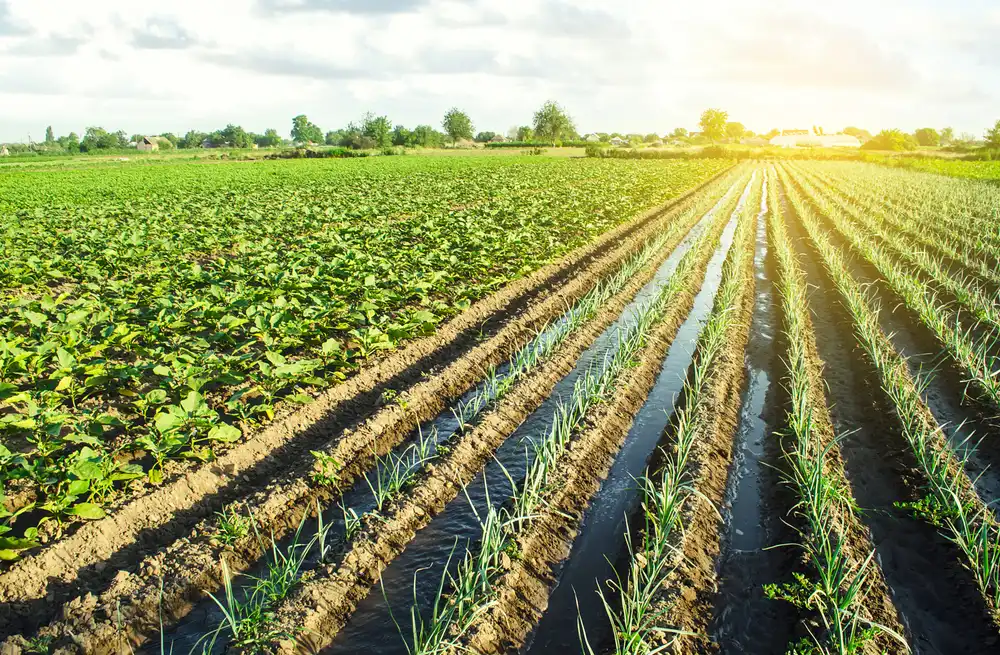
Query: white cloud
[[631, 65]]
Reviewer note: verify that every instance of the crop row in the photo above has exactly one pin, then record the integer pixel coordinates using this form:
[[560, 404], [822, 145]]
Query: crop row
[[975, 356], [952, 501], [471, 589], [958, 247], [395, 474], [173, 343], [847, 579]]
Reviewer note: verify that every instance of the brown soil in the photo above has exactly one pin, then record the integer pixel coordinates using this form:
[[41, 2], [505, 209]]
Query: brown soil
[[878, 606], [189, 566], [522, 592], [935, 594], [324, 602], [687, 601]]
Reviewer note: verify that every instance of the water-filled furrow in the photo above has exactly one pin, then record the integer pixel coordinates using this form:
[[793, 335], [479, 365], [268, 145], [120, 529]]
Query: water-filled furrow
[[207, 615], [746, 621], [964, 422], [599, 550], [372, 627], [935, 595]]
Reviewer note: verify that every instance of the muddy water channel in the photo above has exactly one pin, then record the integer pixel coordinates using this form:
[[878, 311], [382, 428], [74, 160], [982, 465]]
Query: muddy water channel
[[757, 504], [373, 625], [372, 628], [599, 551]]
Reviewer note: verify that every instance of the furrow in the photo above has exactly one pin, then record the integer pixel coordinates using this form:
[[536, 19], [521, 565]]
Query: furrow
[[522, 592], [834, 538], [951, 503], [348, 422], [310, 612]]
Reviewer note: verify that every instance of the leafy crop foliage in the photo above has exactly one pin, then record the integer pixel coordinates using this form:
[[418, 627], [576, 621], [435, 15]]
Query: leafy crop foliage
[[153, 313]]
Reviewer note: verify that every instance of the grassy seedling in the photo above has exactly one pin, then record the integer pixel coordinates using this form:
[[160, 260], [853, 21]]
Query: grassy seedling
[[967, 520], [470, 591], [233, 526]]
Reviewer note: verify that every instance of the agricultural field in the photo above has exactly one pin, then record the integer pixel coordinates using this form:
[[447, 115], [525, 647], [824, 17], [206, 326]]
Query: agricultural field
[[980, 170], [499, 405]]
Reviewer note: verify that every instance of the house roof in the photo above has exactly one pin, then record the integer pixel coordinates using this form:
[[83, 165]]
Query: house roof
[[816, 140]]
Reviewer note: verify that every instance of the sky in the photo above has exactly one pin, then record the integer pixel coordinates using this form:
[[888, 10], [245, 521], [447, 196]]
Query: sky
[[642, 66]]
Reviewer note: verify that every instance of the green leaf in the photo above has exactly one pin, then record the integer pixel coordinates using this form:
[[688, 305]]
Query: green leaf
[[76, 317], [300, 398], [65, 383], [66, 360], [167, 421], [89, 511], [36, 319], [194, 404], [78, 487], [155, 476], [225, 433], [162, 370], [87, 465], [7, 390]]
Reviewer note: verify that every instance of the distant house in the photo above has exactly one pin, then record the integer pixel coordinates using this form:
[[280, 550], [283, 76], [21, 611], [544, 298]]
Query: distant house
[[498, 138], [618, 141], [755, 141], [804, 139], [148, 143], [4, 152], [592, 138]]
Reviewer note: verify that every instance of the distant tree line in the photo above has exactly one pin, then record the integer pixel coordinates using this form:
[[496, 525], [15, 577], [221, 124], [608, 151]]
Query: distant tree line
[[551, 125]]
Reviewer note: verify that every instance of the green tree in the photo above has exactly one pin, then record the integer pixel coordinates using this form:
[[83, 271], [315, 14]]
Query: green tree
[[97, 138], [70, 142], [891, 140], [678, 133], [927, 136], [713, 123], [649, 138], [552, 124], [427, 137], [736, 131], [993, 136], [457, 124], [50, 137], [524, 133], [236, 137], [860, 134], [269, 139], [193, 139], [305, 132], [947, 136], [334, 138], [402, 136], [171, 137], [484, 137], [378, 129]]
